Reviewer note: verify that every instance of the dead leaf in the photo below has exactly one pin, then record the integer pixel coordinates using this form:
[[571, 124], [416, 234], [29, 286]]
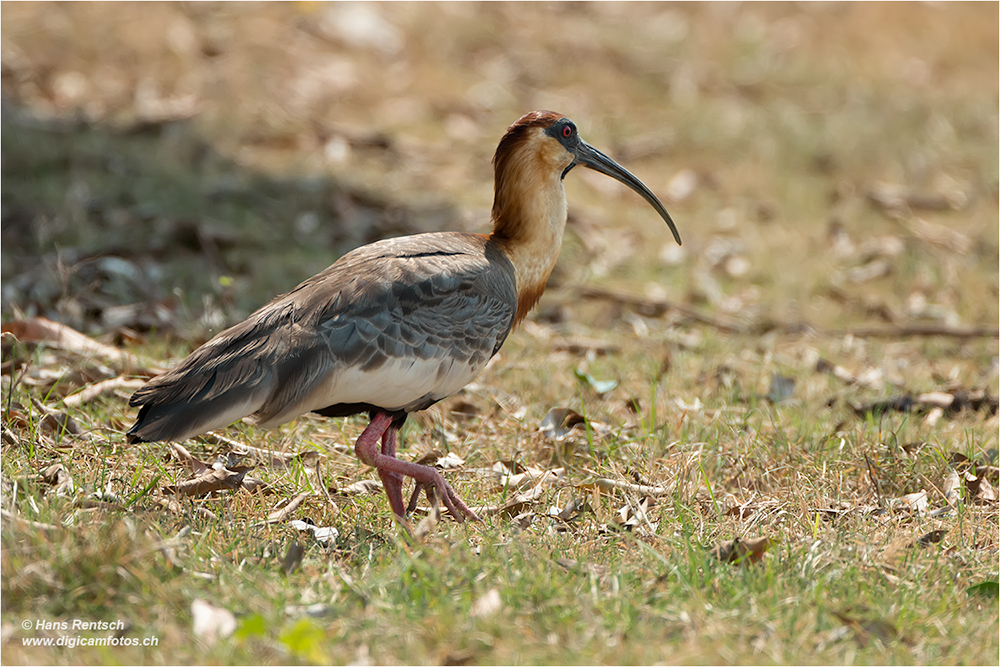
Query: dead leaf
[[325, 535], [991, 473], [960, 461], [911, 449], [916, 502], [527, 477], [524, 520], [252, 484], [987, 494], [487, 605], [839, 372], [963, 463], [573, 509], [516, 505], [9, 437], [866, 630], [782, 388], [938, 399], [973, 484], [512, 465], [429, 522], [681, 186], [211, 623], [56, 420], [872, 377], [361, 487], [933, 417], [630, 516], [293, 557], [930, 538], [558, 422], [879, 268], [952, 484], [185, 457], [976, 478], [600, 387], [463, 409], [214, 480], [449, 461], [59, 478], [742, 552], [582, 346], [593, 569]]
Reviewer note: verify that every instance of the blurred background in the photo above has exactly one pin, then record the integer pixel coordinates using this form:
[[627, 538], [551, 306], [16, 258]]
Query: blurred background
[[172, 166]]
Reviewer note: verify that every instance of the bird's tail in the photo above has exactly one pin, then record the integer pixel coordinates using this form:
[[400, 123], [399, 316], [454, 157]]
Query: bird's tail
[[199, 395]]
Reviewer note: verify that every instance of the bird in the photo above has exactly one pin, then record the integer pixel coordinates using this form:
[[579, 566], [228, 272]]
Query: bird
[[394, 326]]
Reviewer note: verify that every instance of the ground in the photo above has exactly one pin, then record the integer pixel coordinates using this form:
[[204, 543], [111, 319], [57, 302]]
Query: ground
[[813, 373]]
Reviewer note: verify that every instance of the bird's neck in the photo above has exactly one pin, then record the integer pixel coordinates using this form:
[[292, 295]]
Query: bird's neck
[[529, 216]]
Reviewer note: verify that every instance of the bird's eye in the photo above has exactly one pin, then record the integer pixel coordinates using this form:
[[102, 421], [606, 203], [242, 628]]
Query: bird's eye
[[567, 131]]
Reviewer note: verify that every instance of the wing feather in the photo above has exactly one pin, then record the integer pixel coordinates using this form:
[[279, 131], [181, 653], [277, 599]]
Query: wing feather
[[397, 324]]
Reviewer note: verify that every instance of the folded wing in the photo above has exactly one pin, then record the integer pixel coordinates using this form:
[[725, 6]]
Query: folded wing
[[395, 325]]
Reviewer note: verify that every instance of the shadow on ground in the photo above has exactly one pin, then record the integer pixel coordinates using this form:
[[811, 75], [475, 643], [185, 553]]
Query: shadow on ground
[[148, 227]]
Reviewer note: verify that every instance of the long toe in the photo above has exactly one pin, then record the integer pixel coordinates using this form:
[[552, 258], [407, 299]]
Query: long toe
[[455, 505], [415, 496]]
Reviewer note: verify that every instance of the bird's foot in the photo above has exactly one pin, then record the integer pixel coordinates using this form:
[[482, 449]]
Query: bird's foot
[[439, 488], [390, 470]]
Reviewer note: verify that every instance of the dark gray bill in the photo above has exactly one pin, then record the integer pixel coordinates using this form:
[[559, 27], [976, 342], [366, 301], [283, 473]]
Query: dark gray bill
[[590, 157]]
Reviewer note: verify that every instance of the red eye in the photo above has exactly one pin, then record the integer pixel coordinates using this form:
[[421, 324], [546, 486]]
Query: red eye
[[567, 131]]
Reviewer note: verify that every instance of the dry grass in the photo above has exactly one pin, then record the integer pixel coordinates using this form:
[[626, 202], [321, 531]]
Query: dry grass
[[843, 175]]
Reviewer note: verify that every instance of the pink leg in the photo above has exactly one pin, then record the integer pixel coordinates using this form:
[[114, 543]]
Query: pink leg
[[392, 482], [390, 468]]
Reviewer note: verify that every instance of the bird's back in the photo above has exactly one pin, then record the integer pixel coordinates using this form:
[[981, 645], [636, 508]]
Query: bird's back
[[395, 325]]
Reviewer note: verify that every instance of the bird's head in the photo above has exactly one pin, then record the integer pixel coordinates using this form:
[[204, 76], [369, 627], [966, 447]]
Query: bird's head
[[548, 144]]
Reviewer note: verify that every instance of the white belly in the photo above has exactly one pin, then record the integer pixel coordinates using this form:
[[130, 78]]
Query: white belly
[[397, 385]]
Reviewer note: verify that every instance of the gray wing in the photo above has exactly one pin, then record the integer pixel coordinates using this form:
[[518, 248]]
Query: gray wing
[[397, 324]]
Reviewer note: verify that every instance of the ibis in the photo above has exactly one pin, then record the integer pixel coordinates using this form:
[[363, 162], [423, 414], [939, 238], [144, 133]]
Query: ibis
[[394, 326]]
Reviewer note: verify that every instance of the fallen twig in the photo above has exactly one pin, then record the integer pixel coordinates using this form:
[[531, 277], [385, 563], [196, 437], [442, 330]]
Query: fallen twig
[[908, 330], [659, 307], [88, 394], [616, 485]]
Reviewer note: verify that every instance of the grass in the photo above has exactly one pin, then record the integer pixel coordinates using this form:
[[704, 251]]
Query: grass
[[790, 119], [632, 597]]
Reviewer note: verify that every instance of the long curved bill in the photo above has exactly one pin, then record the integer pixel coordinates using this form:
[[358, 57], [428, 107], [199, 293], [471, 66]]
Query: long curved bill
[[590, 157]]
